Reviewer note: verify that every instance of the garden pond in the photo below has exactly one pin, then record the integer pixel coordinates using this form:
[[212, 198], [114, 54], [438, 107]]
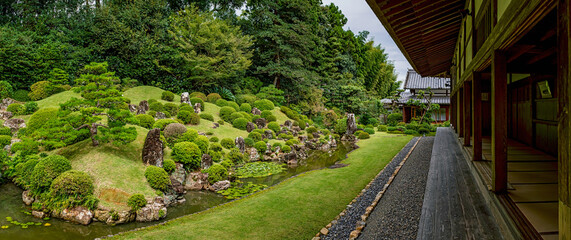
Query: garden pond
[[13, 210]]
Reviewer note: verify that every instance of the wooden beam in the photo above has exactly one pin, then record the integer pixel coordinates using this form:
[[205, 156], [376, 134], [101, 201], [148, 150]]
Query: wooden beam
[[519, 50], [467, 113], [477, 115], [543, 55], [564, 127], [499, 122]]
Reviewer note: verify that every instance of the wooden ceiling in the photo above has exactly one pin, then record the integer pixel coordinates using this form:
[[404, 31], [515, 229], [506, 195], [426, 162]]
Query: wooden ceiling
[[425, 30]]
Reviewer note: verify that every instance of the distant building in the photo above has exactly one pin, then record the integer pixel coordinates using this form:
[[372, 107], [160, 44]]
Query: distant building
[[414, 83]]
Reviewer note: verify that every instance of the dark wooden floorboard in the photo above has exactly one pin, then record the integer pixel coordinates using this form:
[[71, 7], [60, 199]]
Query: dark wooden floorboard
[[453, 206]]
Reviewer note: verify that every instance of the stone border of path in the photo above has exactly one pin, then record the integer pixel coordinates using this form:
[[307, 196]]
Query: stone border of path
[[361, 224]]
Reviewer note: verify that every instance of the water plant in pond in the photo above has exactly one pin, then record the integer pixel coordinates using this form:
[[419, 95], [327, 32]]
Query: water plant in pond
[[259, 169], [239, 189]]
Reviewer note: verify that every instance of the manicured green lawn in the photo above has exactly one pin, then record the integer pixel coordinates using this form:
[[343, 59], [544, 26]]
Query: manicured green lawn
[[294, 209], [138, 94]]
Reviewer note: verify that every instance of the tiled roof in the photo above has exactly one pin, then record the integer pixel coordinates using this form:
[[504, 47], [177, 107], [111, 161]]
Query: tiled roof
[[415, 81], [406, 96]]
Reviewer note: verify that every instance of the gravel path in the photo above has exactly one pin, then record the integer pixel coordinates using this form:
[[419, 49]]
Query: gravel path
[[397, 214], [347, 223]]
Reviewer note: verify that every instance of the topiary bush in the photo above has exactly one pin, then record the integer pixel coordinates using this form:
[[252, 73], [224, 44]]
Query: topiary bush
[[423, 130], [169, 166], [286, 149], [174, 130], [5, 131], [167, 96], [216, 146], [215, 155], [162, 123], [213, 97], [240, 123], [311, 130], [151, 101], [256, 136], [363, 135], [221, 103], [233, 105], [40, 90], [5, 140], [194, 119], [267, 114], [410, 132], [198, 95], [274, 126], [213, 139], [136, 202], [171, 108], [292, 142], [207, 116], [187, 153], [227, 143], [185, 107], [30, 107], [6, 90], [226, 112], [246, 107], [21, 95], [261, 147], [47, 170], [185, 116], [196, 100], [202, 143], [16, 109], [72, 183], [189, 136], [235, 156], [26, 147], [249, 142], [156, 106], [216, 173], [157, 178], [370, 131], [382, 128], [145, 120], [393, 119], [264, 104]]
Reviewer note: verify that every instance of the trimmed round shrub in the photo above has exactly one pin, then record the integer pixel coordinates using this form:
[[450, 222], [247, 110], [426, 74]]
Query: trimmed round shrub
[[286, 149], [216, 173], [423, 130], [256, 136], [276, 145], [394, 118], [40, 90], [5, 140], [240, 123], [169, 166], [249, 142], [274, 126], [247, 98], [162, 123], [194, 119], [370, 131], [363, 135], [6, 90], [233, 105], [156, 106], [271, 118], [221, 103], [47, 170], [23, 171], [234, 116], [136, 201], [196, 100], [246, 107], [157, 178], [226, 112], [16, 108], [30, 107], [202, 143], [171, 108], [26, 147], [174, 130], [292, 142], [189, 136], [216, 147], [151, 101], [213, 97], [410, 132], [235, 156], [216, 156], [266, 113], [227, 143], [207, 116], [264, 104], [199, 95], [185, 107], [167, 96], [72, 183], [152, 113], [311, 130], [21, 95], [261, 147], [184, 116], [187, 153], [382, 128], [213, 139], [5, 131], [145, 120]]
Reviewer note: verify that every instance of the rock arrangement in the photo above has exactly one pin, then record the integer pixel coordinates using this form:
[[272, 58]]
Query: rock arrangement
[[153, 148]]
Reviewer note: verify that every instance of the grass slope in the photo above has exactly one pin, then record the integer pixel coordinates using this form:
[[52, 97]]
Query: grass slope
[[118, 171], [138, 94], [57, 99], [295, 209]]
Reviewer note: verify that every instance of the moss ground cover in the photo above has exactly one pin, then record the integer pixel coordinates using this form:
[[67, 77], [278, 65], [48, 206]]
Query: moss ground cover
[[259, 169], [294, 209]]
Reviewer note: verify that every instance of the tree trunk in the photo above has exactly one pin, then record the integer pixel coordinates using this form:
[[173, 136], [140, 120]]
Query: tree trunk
[[93, 131]]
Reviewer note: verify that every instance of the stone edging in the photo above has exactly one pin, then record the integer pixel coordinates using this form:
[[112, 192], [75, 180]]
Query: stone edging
[[361, 224]]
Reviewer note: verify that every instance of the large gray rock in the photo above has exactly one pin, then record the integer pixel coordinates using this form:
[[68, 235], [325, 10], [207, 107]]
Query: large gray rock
[[206, 161], [185, 98], [113, 218], [133, 108], [80, 215], [250, 127], [254, 155], [160, 115], [261, 123], [197, 107], [179, 173], [6, 102], [27, 198], [215, 125], [143, 107], [176, 185], [152, 212], [221, 185], [288, 124], [153, 148], [269, 134], [240, 144], [351, 124], [256, 111], [196, 181], [6, 115], [15, 124]]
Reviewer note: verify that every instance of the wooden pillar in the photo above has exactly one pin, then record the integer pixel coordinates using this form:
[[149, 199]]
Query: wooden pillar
[[459, 106], [477, 115], [499, 122], [467, 113], [564, 127], [447, 113], [453, 111]]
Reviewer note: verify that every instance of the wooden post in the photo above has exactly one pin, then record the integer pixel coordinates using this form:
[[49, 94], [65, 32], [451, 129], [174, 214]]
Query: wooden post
[[477, 115], [467, 111], [459, 106], [447, 113], [499, 122], [453, 111], [564, 127]]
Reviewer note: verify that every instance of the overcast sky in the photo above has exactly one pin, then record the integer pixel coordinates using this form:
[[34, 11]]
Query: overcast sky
[[360, 17]]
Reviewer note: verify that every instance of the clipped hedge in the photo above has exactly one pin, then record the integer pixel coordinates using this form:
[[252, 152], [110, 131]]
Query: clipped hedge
[[174, 130], [227, 143], [213, 97], [169, 166], [226, 112], [5, 140], [264, 104], [136, 201], [16, 109], [196, 100], [167, 96], [274, 126], [363, 135], [207, 116], [261, 147], [240, 123], [187, 153], [203, 143], [145, 120], [47, 170], [72, 183], [199, 95], [246, 107], [216, 173], [157, 178], [162, 123], [156, 106]]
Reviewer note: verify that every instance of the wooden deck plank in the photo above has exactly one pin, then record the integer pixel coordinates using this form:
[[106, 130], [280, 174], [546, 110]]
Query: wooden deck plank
[[534, 193], [532, 166], [541, 216], [532, 177]]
